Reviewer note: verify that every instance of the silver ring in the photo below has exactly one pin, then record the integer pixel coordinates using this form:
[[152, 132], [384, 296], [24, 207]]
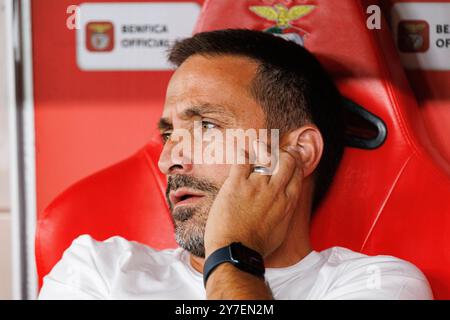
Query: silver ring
[[261, 170]]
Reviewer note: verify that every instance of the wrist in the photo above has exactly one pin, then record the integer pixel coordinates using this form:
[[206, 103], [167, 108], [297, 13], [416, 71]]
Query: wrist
[[218, 244], [228, 282], [226, 271], [239, 256]]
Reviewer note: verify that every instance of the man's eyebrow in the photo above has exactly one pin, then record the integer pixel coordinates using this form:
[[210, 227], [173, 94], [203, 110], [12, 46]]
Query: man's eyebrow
[[205, 109], [200, 110], [164, 124]]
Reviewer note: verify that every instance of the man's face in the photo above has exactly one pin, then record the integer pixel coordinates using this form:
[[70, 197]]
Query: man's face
[[214, 92]]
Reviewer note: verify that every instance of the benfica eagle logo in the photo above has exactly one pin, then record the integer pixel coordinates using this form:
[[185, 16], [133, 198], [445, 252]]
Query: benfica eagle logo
[[100, 36], [413, 36], [284, 18]]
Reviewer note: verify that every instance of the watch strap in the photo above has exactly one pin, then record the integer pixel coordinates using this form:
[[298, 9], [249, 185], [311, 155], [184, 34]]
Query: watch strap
[[215, 259], [243, 258]]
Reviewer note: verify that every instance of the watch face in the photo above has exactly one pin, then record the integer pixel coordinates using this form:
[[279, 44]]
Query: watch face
[[247, 258]]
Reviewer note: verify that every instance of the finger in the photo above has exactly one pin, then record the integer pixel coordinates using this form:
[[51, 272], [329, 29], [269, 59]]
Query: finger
[[289, 159], [261, 153], [294, 151], [294, 185], [241, 169], [260, 171]]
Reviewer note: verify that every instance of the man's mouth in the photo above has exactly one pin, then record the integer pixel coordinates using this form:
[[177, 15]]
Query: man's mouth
[[184, 196]]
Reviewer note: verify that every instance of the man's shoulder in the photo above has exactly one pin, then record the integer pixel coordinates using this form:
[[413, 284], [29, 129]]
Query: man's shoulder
[[348, 259], [386, 275], [117, 248], [88, 267], [115, 244]]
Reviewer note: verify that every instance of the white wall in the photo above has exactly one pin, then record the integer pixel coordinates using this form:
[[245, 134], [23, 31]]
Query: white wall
[[5, 218], [5, 257]]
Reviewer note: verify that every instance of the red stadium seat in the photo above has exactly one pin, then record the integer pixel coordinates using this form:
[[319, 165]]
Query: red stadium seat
[[390, 199], [431, 86], [126, 199]]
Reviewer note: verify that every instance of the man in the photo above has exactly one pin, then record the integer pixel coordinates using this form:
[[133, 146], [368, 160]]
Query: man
[[243, 229]]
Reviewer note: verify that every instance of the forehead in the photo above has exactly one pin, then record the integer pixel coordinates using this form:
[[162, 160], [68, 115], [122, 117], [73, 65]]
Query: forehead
[[215, 81]]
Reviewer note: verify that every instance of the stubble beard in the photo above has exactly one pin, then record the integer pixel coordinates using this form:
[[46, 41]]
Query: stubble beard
[[190, 220]]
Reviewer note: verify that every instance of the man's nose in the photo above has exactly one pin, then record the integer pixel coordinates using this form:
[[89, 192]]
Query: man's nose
[[174, 162]]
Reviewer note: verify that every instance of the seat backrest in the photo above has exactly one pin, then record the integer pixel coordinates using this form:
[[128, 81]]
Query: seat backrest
[[126, 199], [385, 200], [422, 37]]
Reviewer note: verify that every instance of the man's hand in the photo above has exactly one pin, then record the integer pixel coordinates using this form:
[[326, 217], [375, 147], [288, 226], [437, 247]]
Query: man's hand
[[255, 209]]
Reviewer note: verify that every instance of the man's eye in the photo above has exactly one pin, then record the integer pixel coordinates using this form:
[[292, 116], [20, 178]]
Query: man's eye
[[208, 125], [165, 136]]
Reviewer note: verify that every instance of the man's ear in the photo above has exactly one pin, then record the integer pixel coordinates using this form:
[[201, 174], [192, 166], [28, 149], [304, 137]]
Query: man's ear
[[309, 143]]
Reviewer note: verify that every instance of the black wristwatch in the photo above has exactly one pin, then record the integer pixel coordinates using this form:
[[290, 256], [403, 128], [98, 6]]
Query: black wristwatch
[[237, 254]]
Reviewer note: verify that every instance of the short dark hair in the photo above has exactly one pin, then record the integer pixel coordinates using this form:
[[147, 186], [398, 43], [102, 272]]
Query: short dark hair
[[290, 84]]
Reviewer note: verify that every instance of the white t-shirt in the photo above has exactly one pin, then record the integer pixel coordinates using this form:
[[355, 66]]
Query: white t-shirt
[[120, 269]]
